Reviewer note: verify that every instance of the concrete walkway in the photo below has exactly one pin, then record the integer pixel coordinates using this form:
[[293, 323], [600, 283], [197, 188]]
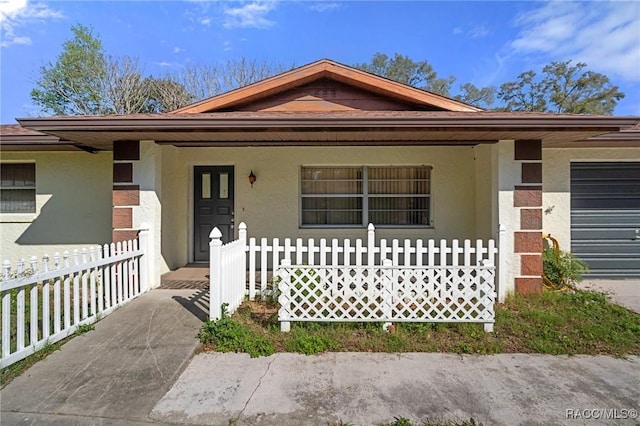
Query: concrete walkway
[[132, 370], [116, 373]]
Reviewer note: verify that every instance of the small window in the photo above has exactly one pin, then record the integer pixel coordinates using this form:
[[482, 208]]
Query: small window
[[18, 188], [393, 196]]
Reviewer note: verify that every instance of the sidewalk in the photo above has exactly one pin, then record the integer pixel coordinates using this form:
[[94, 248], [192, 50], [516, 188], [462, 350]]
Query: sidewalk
[[112, 375], [373, 388], [132, 370]]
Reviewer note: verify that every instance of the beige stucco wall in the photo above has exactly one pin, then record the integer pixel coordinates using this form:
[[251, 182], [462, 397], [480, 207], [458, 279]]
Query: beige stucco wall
[[556, 178], [271, 207], [485, 195], [73, 205]]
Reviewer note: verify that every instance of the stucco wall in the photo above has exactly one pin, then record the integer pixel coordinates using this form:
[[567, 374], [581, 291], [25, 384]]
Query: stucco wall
[[485, 193], [271, 207], [556, 178], [73, 205]]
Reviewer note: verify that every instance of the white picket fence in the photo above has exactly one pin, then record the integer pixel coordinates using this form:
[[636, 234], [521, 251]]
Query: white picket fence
[[43, 303], [227, 272], [425, 280], [265, 257]]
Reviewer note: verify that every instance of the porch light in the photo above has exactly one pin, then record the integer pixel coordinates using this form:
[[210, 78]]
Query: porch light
[[252, 178]]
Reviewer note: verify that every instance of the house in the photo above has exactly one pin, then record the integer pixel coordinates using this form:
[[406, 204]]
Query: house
[[321, 151]]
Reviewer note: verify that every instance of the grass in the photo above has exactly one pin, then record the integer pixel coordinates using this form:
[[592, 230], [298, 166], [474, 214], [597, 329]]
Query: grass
[[582, 322], [9, 373]]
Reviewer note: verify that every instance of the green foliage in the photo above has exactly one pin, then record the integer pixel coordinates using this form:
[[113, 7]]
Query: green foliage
[[562, 268], [73, 84], [309, 343], [84, 328], [562, 88], [577, 322], [580, 322], [227, 335], [405, 70], [9, 373]]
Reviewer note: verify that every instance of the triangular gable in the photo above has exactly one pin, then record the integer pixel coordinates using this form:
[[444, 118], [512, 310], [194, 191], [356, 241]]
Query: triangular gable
[[326, 86]]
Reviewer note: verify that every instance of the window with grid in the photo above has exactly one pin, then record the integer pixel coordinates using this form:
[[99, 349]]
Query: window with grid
[[18, 188], [352, 196]]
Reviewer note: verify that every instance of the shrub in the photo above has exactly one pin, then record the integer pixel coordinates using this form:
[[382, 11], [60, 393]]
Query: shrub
[[561, 268], [228, 335]]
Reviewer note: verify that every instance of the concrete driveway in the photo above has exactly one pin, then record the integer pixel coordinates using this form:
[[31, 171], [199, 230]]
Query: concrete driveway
[[623, 292]]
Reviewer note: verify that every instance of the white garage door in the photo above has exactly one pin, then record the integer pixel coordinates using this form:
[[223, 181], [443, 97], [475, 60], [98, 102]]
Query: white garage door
[[605, 218]]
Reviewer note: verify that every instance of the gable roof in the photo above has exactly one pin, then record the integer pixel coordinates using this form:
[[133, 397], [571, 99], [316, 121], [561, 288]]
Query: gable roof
[[326, 69]]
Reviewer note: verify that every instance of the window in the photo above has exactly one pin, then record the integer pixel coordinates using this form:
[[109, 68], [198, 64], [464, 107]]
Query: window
[[18, 188], [355, 196]]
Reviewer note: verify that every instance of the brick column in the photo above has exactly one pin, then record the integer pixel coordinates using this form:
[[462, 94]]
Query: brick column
[[527, 199], [126, 195]]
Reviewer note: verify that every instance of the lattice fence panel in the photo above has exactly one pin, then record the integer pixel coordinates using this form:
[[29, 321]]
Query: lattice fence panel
[[387, 293]]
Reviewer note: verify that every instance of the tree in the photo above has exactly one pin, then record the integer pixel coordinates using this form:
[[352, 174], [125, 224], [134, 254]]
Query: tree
[[563, 88], [404, 70], [205, 81], [85, 81], [480, 97], [73, 84], [165, 94]]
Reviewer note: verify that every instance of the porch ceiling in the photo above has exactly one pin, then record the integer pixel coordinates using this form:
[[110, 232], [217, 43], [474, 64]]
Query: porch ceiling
[[358, 128]]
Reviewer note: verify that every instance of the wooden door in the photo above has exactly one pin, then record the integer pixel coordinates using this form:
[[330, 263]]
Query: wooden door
[[213, 206]]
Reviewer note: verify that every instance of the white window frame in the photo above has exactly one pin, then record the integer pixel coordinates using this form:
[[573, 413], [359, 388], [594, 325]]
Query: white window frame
[[365, 197]]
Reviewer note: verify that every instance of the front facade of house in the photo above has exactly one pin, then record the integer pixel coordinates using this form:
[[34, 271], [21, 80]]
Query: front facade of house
[[331, 149]]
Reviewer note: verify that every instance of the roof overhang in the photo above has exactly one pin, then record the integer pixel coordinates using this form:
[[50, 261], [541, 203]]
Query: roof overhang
[[290, 129]]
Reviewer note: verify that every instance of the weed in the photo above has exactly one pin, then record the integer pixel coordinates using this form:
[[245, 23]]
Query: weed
[[578, 322], [227, 335], [309, 344], [9, 373], [84, 328]]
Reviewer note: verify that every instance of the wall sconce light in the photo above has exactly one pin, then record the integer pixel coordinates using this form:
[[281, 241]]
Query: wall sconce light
[[252, 178]]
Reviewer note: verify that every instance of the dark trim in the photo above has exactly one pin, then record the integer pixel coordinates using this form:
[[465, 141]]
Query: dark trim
[[528, 150], [126, 150]]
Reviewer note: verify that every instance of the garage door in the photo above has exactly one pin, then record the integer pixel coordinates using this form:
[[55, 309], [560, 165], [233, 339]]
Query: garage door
[[605, 218]]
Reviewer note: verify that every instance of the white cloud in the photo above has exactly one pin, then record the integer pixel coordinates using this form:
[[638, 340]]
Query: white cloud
[[166, 64], [205, 21], [250, 15], [478, 31], [177, 50], [227, 46], [605, 35], [15, 14], [325, 6]]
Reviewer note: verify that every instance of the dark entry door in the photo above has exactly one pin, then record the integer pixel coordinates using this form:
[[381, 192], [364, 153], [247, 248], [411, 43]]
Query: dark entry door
[[213, 206]]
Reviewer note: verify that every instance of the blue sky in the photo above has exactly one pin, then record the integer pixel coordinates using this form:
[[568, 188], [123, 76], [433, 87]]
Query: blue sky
[[486, 43]]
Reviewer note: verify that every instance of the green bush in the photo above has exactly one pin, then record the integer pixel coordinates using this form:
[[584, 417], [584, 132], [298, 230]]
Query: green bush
[[562, 268], [228, 335]]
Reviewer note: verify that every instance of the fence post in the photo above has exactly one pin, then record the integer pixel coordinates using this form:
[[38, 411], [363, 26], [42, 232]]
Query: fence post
[[502, 263], [371, 244], [143, 244], [215, 274], [387, 288], [283, 299], [242, 236], [6, 270]]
